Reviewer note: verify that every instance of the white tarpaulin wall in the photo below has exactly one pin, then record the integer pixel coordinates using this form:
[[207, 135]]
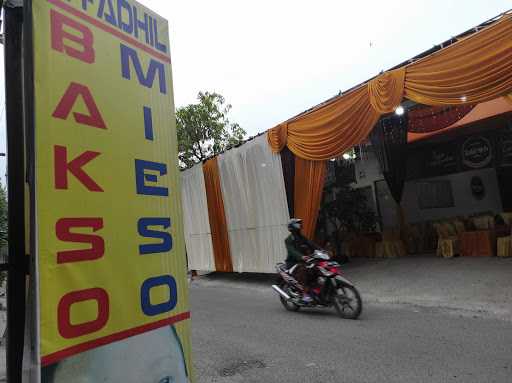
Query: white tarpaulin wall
[[255, 205], [198, 237]]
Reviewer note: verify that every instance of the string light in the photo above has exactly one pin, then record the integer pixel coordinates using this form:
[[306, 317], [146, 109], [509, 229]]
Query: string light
[[435, 118], [399, 110]]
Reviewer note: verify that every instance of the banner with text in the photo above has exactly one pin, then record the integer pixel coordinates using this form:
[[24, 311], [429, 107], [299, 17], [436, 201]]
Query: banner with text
[[113, 297]]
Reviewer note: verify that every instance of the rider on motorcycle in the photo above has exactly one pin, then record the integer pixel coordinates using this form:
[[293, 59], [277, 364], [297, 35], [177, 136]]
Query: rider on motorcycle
[[298, 248]]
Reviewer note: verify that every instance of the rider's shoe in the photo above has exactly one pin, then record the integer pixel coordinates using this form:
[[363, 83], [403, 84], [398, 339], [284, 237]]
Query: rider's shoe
[[306, 298]]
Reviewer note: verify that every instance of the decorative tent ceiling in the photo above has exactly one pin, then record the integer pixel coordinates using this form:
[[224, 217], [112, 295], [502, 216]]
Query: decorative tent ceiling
[[479, 112], [475, 68]]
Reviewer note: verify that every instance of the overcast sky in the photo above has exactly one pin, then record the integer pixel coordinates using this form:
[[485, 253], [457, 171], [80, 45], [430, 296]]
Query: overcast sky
[[274, 59]]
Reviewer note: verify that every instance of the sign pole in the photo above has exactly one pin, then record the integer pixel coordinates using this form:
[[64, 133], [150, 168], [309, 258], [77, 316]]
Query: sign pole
[[16, 185]]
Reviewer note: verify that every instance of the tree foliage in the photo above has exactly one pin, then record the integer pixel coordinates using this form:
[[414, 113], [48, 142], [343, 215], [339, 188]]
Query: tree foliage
[[204, 129]]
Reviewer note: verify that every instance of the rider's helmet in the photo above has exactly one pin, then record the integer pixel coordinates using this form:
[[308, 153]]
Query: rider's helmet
[[295, 225]]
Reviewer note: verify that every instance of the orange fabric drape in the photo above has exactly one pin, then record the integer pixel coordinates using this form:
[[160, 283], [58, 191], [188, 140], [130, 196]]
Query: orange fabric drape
[[309, 185], [475, 69], [329, 131], [386, 91], [217, 216], [277, 137]]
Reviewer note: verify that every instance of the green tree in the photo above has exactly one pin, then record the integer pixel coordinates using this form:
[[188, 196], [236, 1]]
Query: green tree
[[204, 129]]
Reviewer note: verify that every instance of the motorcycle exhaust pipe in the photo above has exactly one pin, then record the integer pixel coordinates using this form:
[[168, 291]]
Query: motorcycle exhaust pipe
[[281, 292]]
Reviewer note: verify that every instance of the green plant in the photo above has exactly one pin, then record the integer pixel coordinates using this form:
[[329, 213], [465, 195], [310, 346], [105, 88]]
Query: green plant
[[204, 129], [344, 210]]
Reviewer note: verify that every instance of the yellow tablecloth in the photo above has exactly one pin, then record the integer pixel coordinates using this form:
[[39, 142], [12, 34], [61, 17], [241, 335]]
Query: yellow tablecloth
[[504, 247], [390, 249]]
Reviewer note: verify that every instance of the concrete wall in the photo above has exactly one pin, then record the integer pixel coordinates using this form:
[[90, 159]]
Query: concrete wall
[[464, 202], [368, 171]]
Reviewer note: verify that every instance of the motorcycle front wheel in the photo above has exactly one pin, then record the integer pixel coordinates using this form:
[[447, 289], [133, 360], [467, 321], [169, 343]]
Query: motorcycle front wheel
[[347, 302], [290, 306]]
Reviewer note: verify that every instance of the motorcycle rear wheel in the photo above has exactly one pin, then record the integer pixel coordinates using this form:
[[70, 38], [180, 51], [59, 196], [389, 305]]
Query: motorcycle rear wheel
[[290, 306], [347, 302]]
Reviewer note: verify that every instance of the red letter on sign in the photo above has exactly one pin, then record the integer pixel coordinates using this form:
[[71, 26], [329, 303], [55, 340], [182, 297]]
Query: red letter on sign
[[63, 230], [68, 101], [66, 328], [62, 166], [83, 38]]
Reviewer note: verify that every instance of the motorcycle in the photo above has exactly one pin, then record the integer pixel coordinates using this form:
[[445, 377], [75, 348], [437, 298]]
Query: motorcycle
[[330, 288]]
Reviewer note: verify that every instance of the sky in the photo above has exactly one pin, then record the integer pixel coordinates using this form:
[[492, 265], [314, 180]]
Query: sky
[[272, 59]]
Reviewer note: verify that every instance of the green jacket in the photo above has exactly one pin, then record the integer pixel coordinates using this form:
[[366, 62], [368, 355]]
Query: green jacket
[[292, 247]]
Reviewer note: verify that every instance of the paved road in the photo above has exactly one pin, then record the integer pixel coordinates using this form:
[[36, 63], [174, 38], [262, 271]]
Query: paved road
[[244, 335]]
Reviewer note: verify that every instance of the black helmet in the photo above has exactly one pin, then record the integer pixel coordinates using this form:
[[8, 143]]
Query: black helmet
[[295, 224]]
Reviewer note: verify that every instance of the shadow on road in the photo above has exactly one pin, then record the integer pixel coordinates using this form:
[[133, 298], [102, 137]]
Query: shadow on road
[[246, 278]]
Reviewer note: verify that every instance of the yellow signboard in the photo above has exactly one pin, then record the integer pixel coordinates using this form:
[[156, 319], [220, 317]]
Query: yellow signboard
[[110, 250]]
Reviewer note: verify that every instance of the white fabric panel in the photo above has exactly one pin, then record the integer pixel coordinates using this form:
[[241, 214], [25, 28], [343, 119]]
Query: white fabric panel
[[255, 205], [198, 237]]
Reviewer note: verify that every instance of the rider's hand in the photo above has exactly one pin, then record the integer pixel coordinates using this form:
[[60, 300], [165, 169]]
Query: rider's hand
[[306, 258]]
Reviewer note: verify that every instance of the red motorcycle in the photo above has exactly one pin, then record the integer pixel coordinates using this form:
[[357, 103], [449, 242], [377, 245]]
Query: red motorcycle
[[329, 289]]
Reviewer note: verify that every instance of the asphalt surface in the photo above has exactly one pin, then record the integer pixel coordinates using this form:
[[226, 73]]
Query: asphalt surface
[[241, 333]]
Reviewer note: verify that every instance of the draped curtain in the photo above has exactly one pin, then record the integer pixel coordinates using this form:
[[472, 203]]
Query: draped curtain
[[288, 164], [389, 140], [216, 216], [327, 132], [255, 204], [309, 185], [196, 224], [476, 68]]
